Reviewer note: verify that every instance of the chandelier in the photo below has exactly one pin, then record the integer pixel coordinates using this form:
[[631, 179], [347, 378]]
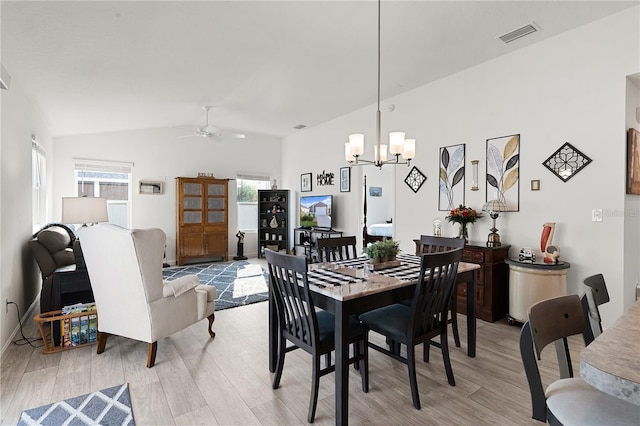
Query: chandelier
[[398, 145]]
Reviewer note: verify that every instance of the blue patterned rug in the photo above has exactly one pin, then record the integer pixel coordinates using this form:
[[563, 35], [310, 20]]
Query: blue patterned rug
[[237, 283], [111, 406]]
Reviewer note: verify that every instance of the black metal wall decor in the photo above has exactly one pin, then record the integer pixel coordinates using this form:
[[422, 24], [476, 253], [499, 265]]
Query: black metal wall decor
[[325, 178], [415, 179], [566, 162]]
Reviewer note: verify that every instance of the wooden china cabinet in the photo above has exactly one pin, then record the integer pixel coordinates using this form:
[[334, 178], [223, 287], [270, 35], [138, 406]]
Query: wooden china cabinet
[[202, 206]]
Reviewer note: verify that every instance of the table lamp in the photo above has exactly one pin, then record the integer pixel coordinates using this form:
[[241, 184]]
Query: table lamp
[[494, 207], [84, 210]]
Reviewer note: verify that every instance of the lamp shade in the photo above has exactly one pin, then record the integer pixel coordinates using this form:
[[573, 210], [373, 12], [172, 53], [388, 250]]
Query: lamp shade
[[84, 210], [494, 206]]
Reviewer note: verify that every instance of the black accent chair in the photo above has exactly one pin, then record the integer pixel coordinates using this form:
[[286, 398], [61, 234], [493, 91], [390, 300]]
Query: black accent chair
[[568, 400], [596, 294], [425, 319], [308, 329], [332, 249], [65, 280]]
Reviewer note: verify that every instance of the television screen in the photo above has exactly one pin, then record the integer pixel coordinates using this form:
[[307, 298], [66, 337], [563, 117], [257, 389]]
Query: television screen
[[315, 211]]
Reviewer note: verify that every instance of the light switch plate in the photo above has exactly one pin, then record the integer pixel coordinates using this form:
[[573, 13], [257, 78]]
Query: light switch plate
[[596, 215]]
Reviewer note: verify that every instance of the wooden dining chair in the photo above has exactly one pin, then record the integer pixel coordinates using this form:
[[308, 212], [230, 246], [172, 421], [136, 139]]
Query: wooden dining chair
[[431, 244], [568, 400], [595, 294], [308, 329], [425, 319], [332, 249]]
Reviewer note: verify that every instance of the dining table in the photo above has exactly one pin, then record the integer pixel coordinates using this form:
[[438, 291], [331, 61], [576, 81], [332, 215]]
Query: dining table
[[611, 363], [347, 287]]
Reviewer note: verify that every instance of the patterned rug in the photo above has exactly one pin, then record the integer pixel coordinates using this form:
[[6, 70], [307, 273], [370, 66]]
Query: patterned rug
[[110, 406], [237, 283]]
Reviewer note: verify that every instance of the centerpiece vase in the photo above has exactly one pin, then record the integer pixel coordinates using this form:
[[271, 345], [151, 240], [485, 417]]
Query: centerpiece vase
[[464, 232]]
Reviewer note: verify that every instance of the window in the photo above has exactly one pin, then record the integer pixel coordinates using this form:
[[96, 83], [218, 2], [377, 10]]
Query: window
[[107, 180], [38, 185], [248, 187]]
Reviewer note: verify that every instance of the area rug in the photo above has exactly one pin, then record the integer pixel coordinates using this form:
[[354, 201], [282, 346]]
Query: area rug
[[111, 406], [237, 283]]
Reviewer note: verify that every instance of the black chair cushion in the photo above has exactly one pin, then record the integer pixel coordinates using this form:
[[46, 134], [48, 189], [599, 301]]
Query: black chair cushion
[[326, 328], [392, 321]]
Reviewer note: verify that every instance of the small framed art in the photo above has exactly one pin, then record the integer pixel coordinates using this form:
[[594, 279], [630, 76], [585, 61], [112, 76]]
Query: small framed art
[[345, 179], [306, 182], [535, 184], [150, 187]]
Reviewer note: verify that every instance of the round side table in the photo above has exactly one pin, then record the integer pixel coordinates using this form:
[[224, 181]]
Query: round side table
[[531, 282]]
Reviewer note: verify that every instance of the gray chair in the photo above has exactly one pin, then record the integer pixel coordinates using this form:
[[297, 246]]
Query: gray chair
[[308, 329], [59, 257], [568, 400], [595, 294], [425, 319], [332, 249]]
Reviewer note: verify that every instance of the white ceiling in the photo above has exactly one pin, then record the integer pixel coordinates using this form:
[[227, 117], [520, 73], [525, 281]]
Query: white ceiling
[[99, 66]]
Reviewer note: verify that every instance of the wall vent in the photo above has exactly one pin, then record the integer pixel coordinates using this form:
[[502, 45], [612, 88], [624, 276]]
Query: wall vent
[[530, 28]]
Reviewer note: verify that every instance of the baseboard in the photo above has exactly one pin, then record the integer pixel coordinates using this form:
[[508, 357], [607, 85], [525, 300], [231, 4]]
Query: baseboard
[[27, 315]]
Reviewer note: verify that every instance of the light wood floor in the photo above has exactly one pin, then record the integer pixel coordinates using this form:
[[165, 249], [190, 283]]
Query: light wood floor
[[197, 381]]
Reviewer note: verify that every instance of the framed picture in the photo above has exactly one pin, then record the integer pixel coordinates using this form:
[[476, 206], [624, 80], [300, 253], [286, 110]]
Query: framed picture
[[503, 171], [345, 179], [375, 191], [535, 184], [451, 180], [306, 182], [150, 187], [633, 162]]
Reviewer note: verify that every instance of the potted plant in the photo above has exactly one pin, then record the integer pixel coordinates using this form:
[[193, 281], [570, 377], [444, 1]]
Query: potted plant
[[373, 252], [392, 248], [382, 251]]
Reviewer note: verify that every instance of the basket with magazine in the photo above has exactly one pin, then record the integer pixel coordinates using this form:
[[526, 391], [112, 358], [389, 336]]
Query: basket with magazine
[[72, 326]]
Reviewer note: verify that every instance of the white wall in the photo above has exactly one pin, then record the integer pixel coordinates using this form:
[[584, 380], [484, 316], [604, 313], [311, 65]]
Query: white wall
[[570, 88], [631, 215], [20, 279], [158, 155]]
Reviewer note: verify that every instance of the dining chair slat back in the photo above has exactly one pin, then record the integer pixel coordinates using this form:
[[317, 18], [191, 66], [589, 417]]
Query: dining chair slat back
[[431, 244], [424, 319], [335, 249], [303, 326], [595, 294]]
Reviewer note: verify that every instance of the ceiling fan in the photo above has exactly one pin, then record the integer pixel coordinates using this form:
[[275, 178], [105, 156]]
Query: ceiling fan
[[209, 130]]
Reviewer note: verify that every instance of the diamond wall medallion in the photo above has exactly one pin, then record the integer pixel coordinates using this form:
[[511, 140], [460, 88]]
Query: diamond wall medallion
[[566, 162], [415, 179]]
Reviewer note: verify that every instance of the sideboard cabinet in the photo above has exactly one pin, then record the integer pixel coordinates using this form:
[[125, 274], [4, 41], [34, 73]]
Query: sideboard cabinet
[[492, 293], [202, 219]]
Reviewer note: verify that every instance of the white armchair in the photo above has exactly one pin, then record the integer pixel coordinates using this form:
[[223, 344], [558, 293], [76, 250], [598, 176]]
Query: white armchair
[[133, 301]]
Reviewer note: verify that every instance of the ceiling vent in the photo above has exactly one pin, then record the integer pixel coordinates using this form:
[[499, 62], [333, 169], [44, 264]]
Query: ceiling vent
[[530, 28], [299, 126]]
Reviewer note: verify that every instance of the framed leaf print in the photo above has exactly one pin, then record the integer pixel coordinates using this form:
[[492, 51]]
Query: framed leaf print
[[451, 180], [503, 171]]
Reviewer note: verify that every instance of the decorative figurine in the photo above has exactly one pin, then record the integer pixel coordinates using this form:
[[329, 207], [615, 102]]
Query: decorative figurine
[[274, 222], [240, 249], [274, 184], [551, 252]]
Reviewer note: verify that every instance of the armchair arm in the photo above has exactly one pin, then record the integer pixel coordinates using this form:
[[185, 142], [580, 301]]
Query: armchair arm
[[179, 285]]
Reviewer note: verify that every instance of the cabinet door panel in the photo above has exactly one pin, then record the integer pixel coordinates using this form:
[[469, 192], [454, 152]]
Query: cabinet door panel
[[192, 203], [191, 245], [216, 243]]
